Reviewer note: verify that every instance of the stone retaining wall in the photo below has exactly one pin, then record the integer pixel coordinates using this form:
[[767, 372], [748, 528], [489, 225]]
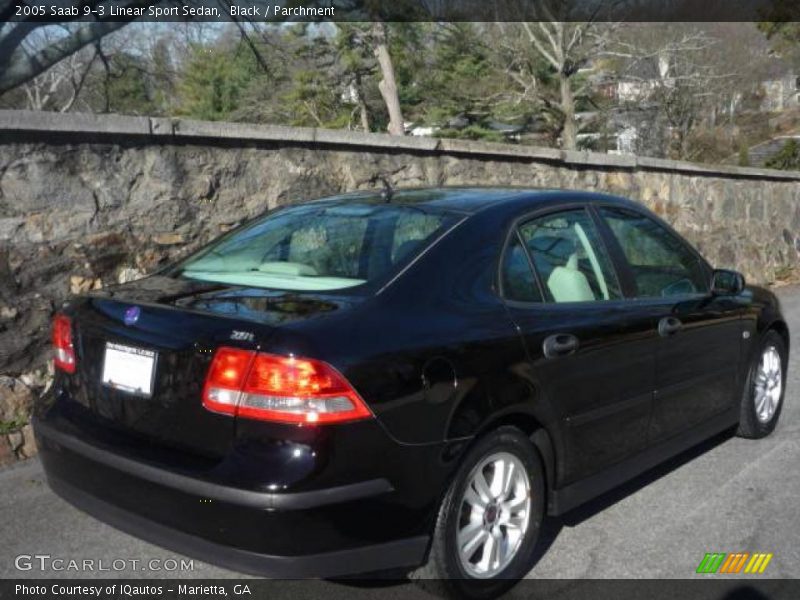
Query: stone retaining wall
[[90, 199]]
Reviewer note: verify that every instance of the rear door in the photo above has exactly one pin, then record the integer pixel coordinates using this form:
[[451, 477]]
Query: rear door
[[698, 335], [589, 348]]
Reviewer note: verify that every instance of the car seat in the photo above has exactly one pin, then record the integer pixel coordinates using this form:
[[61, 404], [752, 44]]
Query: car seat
[[568, 284], [556, 261]]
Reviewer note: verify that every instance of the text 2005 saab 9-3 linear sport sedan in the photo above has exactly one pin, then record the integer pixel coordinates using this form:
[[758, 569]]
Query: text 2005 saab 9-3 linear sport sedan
[[402, 380]]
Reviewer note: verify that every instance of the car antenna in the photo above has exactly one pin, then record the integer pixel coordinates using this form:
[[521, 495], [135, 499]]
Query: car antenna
[[387, 191]]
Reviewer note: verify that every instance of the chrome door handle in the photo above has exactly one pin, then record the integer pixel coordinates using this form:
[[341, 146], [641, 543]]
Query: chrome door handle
[[560, 344]]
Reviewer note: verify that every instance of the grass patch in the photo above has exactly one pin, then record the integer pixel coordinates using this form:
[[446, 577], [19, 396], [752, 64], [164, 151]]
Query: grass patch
[[13, 425]]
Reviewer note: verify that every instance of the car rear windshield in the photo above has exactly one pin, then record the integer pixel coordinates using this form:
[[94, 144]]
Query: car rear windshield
[[319, 247]]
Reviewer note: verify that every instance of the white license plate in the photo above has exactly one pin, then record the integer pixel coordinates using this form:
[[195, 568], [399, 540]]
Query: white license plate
[[129, 369]]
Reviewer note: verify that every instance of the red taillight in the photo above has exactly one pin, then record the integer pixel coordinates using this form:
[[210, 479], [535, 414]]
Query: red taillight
[[225, 379], [279, 388], [64, 349]]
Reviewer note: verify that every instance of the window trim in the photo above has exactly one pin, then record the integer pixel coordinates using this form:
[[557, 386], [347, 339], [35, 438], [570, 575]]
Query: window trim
[[624, 272], [624, 264], [542, 212]]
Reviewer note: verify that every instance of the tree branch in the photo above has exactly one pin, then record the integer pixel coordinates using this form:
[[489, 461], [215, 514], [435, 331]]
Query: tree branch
[[540, 47], [12, 39], [78, 86], [24, 67]]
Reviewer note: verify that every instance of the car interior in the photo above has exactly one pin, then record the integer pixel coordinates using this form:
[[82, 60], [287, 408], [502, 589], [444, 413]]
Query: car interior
[[332, 248], [568, 264]]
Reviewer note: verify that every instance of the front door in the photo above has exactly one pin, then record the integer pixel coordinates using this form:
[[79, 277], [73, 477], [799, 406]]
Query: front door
[[698, 335]]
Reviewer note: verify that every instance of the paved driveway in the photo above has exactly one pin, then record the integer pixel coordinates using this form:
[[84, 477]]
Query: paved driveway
[[728, 495]]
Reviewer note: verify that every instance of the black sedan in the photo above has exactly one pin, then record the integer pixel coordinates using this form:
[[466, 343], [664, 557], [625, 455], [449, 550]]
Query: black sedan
[[402, 380]]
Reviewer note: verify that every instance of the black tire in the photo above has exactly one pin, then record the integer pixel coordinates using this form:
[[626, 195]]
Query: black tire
[[444, 574], [750, 426]]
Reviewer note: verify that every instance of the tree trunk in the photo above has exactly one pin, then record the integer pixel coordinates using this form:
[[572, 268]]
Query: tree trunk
[[569, 134], [685, 140], [362, 106], [387, 85]]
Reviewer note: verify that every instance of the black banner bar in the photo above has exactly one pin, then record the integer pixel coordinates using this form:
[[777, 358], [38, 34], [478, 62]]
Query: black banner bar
[[704, 587], [277, 11]]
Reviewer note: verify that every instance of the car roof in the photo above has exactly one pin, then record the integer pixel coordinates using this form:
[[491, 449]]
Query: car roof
[[474, 199]]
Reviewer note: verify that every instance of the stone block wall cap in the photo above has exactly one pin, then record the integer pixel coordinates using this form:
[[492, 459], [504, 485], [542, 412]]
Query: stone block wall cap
[[680, 166], [374, 140], [162, 126], [40, 121], [456, 146], [31, 120], [307, 135], [241, 131], [598, 159]]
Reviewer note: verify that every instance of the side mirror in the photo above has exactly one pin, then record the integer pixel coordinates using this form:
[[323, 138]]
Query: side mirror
[[726, 283]]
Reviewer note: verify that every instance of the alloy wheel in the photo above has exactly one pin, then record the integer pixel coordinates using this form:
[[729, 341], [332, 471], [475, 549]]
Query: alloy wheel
[[768, 384], [494, 515]]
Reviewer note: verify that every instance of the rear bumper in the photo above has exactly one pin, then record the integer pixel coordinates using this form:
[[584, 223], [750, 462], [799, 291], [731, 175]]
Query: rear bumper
[[214, 491], [327, 532], [407, 552]]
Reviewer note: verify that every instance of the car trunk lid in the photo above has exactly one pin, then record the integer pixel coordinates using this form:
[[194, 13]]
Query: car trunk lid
[[168, 330]]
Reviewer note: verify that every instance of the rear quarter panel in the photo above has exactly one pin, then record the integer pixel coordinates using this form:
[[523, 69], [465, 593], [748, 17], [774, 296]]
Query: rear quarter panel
[[435, 354]]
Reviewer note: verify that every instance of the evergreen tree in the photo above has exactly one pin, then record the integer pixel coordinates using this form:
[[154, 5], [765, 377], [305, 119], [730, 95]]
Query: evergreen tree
[[787, 158], [215, 79]]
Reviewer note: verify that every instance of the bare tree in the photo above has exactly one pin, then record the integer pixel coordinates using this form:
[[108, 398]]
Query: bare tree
[[18, 64], [58, 87], [742, 45], [691, 75], [567, 46]]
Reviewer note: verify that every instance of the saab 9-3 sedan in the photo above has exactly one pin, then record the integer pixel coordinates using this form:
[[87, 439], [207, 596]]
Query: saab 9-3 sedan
[[411, 379]]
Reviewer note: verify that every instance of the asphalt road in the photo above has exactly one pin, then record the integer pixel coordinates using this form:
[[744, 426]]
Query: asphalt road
[[729, 495]]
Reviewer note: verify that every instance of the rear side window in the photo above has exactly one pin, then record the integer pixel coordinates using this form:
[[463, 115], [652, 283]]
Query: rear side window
[[340, 237], [569, 258], [662, 264], [517, 277], [320, 246], [411, 230]]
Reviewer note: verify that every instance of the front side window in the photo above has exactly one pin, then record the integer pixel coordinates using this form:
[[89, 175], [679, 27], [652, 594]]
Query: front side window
[[570, 258], [662, 264], [319, 246]]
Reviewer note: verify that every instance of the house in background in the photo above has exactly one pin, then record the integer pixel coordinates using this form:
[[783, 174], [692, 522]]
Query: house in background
[[780, 92], [642, 78], [630, 122]]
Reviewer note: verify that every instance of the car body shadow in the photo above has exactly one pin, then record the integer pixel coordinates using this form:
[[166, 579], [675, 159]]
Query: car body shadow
[[553, 525]]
